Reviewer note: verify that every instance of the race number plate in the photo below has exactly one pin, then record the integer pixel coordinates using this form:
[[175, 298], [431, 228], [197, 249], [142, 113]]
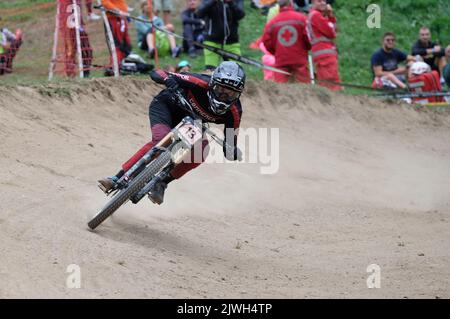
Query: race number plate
[[190, 133]]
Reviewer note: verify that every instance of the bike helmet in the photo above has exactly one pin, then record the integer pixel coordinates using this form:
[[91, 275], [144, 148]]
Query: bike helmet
[[418, 68], [225, 87]]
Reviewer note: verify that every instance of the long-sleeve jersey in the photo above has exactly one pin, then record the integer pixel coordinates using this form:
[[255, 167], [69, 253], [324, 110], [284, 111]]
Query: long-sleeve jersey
[[285, 37], [322, 33], [195, 87], [420, 48]]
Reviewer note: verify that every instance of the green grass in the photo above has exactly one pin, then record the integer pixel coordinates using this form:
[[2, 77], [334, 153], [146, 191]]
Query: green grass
[[5, 4], [356, 42]]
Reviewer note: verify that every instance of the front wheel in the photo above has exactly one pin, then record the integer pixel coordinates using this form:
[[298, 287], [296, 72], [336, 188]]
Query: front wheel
[[133, 187]]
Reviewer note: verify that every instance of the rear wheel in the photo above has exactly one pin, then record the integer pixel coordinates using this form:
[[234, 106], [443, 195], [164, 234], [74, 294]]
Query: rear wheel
[[133, 187]]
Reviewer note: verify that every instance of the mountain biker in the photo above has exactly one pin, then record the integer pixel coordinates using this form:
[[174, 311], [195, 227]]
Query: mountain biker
[[214, 99]]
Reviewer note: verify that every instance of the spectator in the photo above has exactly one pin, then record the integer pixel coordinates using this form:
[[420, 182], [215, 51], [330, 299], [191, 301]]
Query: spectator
[[431, 53], [422, 78], [299, 5], [193, 28], [167, 8], [285, 37], [119, 27], [385, 64], [305, 5], [165, 43], [446, 72], [269, 60], [273, 11], [9, 46], [222, 22], [322, 34], [264, 5], [183, 66], [71, 47], [92, 16]]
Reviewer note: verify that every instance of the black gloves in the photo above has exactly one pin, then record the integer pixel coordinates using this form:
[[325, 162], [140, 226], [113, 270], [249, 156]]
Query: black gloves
[[232, 153], [172, 83]]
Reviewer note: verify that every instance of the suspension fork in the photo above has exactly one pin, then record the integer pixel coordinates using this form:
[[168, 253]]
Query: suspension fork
[[147, 158]]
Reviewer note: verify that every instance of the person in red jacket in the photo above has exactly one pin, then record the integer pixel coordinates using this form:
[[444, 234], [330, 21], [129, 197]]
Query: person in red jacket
[[71, 41], [322, 35], [119, 27], [285, 37]]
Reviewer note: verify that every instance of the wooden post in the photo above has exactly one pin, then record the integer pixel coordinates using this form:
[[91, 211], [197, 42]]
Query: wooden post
[[76, 11], [55, 42]]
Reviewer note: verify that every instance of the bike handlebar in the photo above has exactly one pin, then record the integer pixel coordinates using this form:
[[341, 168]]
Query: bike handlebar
[[187, 107]]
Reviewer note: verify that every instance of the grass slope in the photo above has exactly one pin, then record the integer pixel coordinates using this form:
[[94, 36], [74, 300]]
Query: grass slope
[[356, 41]]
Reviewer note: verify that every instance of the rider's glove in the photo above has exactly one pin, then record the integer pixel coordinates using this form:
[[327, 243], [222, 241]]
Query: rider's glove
[[232, 153], [172, 83]]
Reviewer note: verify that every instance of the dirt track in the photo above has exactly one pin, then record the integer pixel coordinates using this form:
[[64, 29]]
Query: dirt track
[[360, 183]]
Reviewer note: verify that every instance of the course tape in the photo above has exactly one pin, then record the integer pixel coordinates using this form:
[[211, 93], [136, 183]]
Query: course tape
[[249, 61]]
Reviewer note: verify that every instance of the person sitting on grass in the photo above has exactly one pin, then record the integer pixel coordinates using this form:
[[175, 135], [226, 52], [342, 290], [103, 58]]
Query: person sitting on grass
[[165, 43], [9, 45], [166, 7], [385, 64], [421, 78], [431, 52]]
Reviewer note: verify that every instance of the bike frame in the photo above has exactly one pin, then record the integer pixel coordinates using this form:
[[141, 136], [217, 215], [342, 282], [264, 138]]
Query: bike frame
[[168, 141]]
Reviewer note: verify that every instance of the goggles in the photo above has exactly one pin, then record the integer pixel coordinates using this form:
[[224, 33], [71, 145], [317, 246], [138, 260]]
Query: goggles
[[224, 94]]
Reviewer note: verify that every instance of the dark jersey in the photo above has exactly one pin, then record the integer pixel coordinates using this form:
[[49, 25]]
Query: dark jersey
[[195, 87], [388, 60], [189, 17], [420, 48], [222, 19]]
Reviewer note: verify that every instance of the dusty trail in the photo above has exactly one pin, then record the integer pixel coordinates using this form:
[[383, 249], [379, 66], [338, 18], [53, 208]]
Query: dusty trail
[[359, 183]]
